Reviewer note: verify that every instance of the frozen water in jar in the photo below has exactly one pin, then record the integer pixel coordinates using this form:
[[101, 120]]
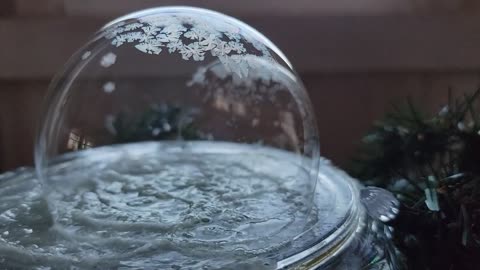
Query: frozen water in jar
[[179, 126]]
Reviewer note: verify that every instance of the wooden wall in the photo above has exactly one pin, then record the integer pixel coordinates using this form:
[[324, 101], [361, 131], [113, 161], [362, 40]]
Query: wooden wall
[[355, 57]]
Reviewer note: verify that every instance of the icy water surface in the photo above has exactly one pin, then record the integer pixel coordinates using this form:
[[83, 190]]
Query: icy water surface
[[143, 206]]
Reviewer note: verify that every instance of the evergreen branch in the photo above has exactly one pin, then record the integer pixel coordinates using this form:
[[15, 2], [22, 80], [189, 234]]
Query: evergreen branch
[[410, 146]]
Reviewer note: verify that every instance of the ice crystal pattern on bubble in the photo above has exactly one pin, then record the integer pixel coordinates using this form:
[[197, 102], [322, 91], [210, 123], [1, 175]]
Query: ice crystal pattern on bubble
[[193, 38]]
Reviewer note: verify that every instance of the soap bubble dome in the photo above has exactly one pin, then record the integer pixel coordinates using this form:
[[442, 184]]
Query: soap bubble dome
[[182, 128]]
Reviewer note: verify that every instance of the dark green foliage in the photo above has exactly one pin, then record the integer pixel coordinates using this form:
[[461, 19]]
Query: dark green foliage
[[157, 123], [432, 164]]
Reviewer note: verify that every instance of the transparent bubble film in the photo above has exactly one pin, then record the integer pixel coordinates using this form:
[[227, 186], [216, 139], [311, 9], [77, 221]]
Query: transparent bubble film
[[187, 128]]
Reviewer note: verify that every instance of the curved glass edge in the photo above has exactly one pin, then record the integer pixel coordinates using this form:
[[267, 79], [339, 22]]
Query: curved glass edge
[[359, 242]]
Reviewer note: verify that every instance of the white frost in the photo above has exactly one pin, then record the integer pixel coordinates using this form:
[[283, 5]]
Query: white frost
[[108, 60], [109, 87]]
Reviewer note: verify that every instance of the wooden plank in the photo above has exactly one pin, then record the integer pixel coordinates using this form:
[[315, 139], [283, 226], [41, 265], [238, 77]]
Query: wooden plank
[[238, 8], [38, 7], [20, 104], [346, 106], [280, 7], [386, 43], [37, 48], [7, 8]]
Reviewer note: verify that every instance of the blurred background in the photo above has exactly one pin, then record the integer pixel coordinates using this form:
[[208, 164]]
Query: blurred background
[[355, 57]]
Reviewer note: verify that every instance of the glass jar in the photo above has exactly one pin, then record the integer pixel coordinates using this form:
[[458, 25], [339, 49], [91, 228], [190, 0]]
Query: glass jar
[[359, 237], [346, 235]]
